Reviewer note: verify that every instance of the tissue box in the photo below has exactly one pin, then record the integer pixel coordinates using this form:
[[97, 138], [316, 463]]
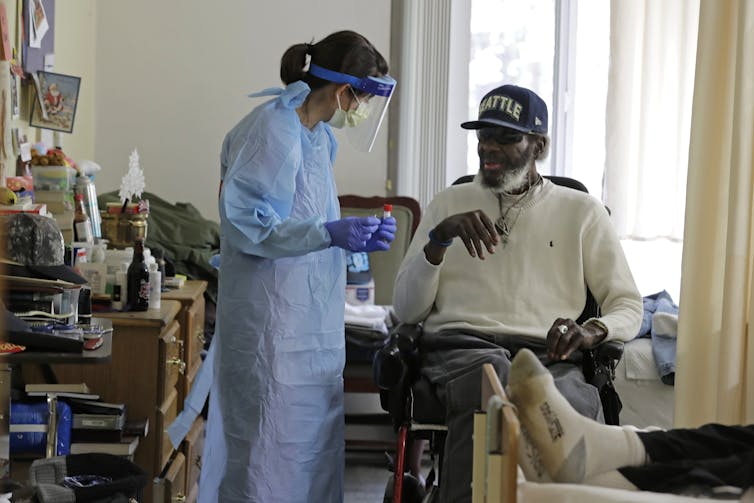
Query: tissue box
[[360, 294]]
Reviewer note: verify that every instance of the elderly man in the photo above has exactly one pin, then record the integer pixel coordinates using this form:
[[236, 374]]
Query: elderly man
[[504, 263]]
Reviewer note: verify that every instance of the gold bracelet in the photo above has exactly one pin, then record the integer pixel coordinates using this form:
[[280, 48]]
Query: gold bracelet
[[597, 322]]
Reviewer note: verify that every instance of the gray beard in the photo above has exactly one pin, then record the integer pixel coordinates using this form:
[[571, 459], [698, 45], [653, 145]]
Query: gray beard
[[514, 180], [511, 181]]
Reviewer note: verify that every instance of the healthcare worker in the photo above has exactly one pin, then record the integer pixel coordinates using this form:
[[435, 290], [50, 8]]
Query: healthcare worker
[[275, 426]]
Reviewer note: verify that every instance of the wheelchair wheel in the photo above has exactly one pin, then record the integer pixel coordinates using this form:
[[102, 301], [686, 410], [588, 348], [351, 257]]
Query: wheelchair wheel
[[413, 492]]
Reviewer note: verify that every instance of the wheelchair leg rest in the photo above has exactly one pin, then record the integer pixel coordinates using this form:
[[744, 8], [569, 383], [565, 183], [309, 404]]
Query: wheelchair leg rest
[[400, 462]]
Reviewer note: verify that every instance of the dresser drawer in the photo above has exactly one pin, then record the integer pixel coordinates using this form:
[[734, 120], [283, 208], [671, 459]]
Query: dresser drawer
[[170, 361], [193, 448], [166, 413], [194, 331], [169, 487]]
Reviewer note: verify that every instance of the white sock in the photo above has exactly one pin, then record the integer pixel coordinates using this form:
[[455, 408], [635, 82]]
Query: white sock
[[529, 459], [572, 447]]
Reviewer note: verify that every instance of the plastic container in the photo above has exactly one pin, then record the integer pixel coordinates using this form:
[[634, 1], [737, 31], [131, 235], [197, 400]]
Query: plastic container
[[120, 290], [86, 188], [53, 178], [155, 286]]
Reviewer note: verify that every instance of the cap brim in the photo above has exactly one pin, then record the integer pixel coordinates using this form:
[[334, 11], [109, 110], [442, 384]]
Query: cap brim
[[52, 272], [492, 123]]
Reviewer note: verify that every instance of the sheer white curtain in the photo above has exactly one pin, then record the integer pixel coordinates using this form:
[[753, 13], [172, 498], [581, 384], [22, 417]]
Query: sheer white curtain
[[433, 95], [648, 116]]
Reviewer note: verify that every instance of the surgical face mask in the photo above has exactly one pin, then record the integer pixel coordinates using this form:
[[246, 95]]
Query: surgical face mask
[[350, 118]]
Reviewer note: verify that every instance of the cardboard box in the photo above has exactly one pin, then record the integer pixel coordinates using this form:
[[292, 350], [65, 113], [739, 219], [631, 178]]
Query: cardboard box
[[57, 201]]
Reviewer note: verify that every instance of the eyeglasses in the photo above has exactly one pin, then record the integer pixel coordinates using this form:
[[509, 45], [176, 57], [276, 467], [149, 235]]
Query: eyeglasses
[[500, 135]]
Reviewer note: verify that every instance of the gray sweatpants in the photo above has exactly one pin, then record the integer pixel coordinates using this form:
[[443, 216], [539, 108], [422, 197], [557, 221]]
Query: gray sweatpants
[[453, 364]]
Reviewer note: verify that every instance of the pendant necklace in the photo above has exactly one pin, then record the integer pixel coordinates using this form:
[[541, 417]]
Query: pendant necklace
[[501, 224]]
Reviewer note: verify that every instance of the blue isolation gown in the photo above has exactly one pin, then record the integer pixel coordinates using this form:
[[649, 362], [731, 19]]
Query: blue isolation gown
[[275, 427]]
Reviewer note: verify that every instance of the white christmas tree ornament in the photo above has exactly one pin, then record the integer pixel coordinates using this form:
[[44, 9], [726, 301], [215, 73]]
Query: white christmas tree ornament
[[132, 183]]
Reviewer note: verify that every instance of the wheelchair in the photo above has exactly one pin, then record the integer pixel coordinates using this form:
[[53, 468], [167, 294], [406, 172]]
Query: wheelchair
[[417, 414]]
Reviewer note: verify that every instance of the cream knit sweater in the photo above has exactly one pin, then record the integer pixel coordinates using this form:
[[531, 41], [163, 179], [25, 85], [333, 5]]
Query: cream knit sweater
[[561, 241]]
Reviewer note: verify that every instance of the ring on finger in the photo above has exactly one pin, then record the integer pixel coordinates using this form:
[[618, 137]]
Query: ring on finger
[[563, 329]]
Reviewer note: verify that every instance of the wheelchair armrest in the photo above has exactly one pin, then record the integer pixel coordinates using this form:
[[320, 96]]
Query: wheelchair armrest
[[611, 350], [407, 337], [393, 361], [600, 362]]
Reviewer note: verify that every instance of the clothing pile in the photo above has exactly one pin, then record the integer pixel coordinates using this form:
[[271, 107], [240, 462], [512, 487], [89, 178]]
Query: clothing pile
[[367, 326], [660, 322]]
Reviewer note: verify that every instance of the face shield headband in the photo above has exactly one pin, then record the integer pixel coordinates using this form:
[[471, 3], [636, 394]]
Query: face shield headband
[[372, 109]]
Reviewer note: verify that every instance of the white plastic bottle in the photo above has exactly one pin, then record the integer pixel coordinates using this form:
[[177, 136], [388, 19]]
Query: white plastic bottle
[[155, 281], [120, 291]]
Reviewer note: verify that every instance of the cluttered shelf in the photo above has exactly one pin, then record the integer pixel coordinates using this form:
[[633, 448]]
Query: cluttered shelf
[[102, 354]]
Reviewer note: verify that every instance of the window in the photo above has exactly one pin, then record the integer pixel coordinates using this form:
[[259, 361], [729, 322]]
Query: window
[[561, 50], [537, 44]]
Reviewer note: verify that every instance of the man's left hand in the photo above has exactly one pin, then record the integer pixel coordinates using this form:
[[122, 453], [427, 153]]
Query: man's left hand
[[566, 336]]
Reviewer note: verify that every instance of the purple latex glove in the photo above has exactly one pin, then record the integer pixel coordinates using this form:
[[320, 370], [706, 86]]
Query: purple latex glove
[[352, 233], [381, 239]]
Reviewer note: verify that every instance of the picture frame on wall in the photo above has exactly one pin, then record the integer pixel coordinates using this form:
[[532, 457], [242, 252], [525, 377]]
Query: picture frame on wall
[[57, 97]]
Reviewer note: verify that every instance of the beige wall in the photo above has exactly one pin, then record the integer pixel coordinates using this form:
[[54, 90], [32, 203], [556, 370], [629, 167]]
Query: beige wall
[[75, 55], [171, 78]]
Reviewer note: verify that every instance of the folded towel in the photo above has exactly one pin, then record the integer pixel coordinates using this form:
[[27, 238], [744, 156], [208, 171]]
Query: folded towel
[[367, 311], [378, 325]]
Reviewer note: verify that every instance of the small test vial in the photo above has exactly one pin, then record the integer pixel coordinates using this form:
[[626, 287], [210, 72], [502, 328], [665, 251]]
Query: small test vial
[[387, 211]]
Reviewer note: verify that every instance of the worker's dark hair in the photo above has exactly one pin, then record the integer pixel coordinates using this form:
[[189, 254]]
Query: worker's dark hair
[[343, 51]]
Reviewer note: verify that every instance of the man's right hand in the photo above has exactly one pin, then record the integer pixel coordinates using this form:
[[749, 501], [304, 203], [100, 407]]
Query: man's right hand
[[475, 229]]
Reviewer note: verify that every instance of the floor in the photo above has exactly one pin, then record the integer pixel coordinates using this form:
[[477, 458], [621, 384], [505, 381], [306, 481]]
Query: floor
[[366, 476]]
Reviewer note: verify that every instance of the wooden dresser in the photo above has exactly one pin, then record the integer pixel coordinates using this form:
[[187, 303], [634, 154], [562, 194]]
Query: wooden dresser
[[143, 374], [155, 359]]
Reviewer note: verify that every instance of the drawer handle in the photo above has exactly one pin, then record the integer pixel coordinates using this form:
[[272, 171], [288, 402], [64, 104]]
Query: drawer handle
[[181, 364], [200, 336], [198, 462], [179, 498]]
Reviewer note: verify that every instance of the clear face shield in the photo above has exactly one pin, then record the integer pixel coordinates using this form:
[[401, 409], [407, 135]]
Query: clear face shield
[[364, 121]]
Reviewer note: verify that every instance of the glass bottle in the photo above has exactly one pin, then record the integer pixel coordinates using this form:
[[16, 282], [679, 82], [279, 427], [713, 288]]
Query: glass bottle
[[138, 280], [82, 224]]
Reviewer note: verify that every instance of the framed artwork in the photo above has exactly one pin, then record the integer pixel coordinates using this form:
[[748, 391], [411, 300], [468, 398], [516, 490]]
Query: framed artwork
[[57, 97]]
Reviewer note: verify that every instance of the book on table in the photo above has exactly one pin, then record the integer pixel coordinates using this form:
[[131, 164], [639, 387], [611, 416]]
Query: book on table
[[58, 388], [125, 447], [64, 394], [79, 406], [92, 428], [98, 421]]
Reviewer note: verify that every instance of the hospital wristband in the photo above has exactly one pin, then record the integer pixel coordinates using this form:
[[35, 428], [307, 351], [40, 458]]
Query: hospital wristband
[[433, 239]]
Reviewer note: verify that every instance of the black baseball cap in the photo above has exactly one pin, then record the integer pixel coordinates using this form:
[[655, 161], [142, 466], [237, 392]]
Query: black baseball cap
[[34, 248], [513, 107]]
